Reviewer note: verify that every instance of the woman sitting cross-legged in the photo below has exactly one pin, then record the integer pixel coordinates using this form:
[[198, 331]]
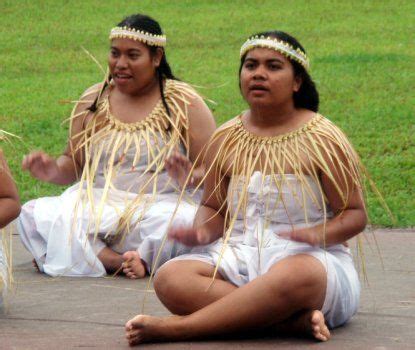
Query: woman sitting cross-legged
[[282, 197], [131, 144]]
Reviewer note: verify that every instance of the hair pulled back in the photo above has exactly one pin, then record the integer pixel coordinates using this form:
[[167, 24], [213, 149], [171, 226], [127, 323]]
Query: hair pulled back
[[147, 24], [307, 96]]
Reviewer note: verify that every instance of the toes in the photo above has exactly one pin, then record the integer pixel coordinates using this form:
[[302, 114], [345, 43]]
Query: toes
[[129, 326], [320, 337], [131, 275], [318, 326], [315, 328], [128, 256], [326, 333], [315, 318], [126, 270], [132, 334], [134, 339]]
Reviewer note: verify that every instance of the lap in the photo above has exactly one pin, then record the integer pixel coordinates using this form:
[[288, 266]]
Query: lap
[[176, 267], [334, 269]]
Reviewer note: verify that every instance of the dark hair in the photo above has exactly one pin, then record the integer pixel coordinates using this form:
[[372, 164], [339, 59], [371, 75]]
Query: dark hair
[[149, 25], [307, 96]]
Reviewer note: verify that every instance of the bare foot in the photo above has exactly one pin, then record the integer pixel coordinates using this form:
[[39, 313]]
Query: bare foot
[[133, 267], [315, 325], [35, 265], [143, 329], [307, 323]]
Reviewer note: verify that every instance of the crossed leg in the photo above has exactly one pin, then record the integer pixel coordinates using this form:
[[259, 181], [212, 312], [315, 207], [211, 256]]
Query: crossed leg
[[295, 285]]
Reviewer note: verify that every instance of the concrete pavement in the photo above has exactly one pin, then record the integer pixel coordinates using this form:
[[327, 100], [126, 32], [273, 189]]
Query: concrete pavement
[[89, 313]]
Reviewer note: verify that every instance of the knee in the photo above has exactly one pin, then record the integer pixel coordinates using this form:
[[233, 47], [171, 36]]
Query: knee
[[167, 281], [299, 280]]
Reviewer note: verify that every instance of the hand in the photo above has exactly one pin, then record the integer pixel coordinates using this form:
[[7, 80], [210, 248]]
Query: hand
[[188, 235], [178, 167], [310, 235], [41, 166]]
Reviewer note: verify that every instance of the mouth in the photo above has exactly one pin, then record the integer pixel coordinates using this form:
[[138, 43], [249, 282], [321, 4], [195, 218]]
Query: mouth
[[122, 77], [258, 88]]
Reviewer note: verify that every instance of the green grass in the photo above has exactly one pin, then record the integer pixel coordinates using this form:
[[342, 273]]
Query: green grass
[[362, 57]]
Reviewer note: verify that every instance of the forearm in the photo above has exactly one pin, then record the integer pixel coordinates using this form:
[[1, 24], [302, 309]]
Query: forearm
[[210, 222], [339, 229], [9, 210], [197, 175], [67, 171]]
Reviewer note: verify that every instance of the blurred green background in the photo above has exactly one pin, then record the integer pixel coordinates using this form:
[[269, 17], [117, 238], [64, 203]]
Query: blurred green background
[[362, 60]]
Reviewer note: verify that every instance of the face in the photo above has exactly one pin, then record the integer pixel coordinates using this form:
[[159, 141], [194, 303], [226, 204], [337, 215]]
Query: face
[[267, 78], [132, 65]]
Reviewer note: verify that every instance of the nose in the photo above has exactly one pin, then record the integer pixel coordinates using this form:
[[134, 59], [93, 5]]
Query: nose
[[259, 73], [121, 62]]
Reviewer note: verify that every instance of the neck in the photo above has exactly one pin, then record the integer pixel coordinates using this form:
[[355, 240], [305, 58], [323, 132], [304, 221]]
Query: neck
[[266, 116]]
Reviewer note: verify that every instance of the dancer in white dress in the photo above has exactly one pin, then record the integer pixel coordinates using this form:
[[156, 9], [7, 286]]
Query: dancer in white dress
[[9, 210], [283, 194], [127, 136]]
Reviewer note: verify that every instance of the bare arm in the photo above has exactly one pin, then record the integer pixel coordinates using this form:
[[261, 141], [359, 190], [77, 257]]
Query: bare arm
[[348, 221], [66, 168], [208, 225], [201, 127], [9, 198]]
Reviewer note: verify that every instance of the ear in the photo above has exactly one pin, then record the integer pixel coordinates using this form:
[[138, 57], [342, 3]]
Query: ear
[[158, 56], [297, 83]]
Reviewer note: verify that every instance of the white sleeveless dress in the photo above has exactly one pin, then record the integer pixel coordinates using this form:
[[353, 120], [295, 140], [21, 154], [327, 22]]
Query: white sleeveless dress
[[59, 231]]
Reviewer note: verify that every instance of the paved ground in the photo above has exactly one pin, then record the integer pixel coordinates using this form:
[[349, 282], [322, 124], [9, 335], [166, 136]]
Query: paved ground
[[71, 313]]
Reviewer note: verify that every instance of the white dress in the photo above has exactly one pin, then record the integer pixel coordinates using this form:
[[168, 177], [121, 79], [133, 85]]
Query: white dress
[[254, 245], [64, 234], [3, 273]]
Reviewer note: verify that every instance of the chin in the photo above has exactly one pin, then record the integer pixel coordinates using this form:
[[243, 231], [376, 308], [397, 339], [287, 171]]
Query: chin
[[126, 89], [260, 102]]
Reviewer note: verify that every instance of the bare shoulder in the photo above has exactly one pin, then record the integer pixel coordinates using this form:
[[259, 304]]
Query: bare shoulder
[[221, 132], [228, 124], [195, 102], [87, 98], [200, 117], [333, 134], [90, 94], [81, 110]]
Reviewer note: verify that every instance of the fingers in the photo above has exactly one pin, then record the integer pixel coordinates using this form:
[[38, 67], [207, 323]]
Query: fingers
[[36, 158], [184, 235], [176, 233], [301, 235], [178, 161], [41, 165], [285, 235]]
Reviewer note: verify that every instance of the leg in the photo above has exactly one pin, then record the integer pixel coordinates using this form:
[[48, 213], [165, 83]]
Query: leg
[[111, 260], [132, 266], [185, 286], [295, 283]]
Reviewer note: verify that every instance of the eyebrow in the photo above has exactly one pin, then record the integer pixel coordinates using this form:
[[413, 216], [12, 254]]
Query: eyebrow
[[271, 60], [128, 50]]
